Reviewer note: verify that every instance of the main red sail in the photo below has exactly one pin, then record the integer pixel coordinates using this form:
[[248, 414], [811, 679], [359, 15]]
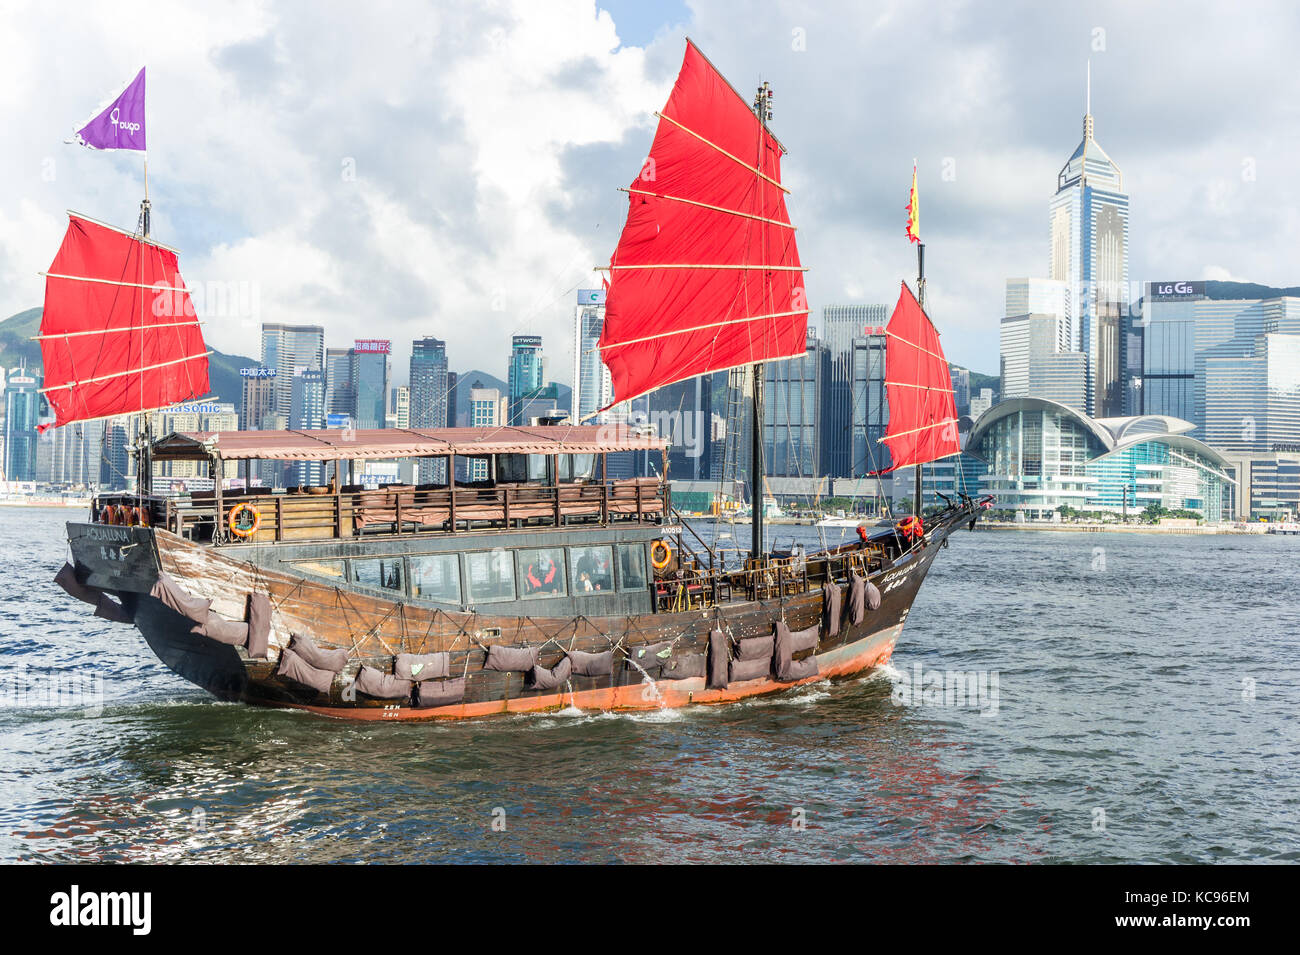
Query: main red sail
[[118, 333], [706, 275], [918, 384]]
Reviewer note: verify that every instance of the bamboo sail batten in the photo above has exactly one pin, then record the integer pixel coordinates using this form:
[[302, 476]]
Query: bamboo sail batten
[[907, 341], [128, 371], [705, 205], [907, 384], [143, 240], [157, 287], [745, 268], [702, 328], [924, 427], [108, 331], [712, 145]]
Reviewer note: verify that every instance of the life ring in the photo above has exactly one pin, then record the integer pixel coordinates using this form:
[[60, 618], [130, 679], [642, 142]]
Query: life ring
[[232, 520], [123, 515], [656, 562], [911, 527], [107, 515], [141, 516]]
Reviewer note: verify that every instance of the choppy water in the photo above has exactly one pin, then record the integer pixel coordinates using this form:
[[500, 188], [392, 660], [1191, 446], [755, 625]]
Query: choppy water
[[1125, 730]]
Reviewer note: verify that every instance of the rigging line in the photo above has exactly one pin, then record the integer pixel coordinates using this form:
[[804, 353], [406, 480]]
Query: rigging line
[[715, 146], [705, 205]]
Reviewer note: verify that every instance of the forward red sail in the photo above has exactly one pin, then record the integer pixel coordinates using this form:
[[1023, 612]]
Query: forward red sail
[[706, 275], [922, 412], [118, 334]]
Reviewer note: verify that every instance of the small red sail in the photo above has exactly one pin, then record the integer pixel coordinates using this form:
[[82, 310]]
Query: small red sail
[[922, 412], [118, 333], [706, 275]]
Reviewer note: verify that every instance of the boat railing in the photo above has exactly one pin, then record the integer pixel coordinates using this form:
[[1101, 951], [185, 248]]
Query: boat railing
[[323, 513], [692, 586]]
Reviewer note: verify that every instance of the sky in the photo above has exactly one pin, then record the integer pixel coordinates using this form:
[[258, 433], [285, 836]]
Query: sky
[[397, 170]]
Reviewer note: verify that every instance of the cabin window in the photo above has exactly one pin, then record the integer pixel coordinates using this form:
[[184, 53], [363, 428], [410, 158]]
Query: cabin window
[[436, 577], [384, 573], [541, 572], [490, 576], [631, 567], [593, 569], [325, 568], [521, 468], [577, 467]]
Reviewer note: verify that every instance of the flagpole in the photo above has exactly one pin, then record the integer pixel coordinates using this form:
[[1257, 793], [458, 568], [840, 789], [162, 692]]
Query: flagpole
[[918, 503]]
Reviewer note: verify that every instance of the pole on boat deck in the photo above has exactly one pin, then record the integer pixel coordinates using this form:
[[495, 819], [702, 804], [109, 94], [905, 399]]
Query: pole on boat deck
[[918, 502]]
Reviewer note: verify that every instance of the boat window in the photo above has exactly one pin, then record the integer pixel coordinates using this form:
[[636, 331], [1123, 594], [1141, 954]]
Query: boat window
[[541, 572], [326, 568], [577, 467], [490, 576], [521, 468], [436, 577], [631, 567], [593, 569], [383, 572]]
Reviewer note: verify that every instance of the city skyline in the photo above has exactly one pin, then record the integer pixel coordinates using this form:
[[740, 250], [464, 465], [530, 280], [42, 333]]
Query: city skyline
[[1203, 156]]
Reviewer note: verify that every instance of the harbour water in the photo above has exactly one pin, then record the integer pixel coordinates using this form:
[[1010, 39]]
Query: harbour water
[[1138, 703]]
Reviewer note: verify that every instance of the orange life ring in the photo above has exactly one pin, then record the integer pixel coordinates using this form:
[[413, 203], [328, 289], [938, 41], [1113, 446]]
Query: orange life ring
[[911, 527], [656, 562], [107, 515], [232, 520], [123, 515], [141, 516]]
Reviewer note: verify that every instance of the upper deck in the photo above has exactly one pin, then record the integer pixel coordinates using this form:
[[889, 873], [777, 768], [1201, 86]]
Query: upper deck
[[515, 478]]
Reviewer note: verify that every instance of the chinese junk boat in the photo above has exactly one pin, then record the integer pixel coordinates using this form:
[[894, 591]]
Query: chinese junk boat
[[540, 581]]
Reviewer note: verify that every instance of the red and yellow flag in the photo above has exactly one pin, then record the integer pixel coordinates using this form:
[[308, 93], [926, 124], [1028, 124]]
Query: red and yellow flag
[[914, 211]]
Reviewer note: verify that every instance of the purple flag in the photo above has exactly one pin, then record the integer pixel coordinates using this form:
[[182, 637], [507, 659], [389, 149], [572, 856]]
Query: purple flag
[[120, 124]]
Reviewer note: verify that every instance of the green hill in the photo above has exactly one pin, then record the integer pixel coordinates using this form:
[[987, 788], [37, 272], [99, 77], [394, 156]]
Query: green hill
[[17, 348]]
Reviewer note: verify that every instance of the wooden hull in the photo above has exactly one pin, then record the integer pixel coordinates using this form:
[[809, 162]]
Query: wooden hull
[[375, 629]]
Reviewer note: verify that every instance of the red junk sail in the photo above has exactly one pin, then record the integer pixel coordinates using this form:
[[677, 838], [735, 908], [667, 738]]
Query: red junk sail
[[706, 275], [118, 334], [922, 413]]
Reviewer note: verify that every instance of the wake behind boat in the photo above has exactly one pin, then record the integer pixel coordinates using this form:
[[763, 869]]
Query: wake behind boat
[[543, 582]]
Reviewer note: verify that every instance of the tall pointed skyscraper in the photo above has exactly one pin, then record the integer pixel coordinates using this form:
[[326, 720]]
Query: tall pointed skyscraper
[[1089, 252]]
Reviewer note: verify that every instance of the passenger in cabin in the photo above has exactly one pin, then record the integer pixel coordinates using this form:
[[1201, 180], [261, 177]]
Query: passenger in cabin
[[543, 576], [596, 568], [584, 581]]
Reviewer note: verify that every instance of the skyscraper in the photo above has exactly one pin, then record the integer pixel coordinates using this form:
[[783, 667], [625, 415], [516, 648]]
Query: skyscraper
[[22, 408], [487, 409], [286, 348], [308, 412], [1033, 363], [791, 419], [592, 386], [526, 373], [340, 398], [370, 381], [1089, 253], [258, 399], [430, 396], [854, 411]]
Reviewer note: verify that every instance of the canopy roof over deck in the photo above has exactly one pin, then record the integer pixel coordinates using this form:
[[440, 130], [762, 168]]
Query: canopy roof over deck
[[334, 444]]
